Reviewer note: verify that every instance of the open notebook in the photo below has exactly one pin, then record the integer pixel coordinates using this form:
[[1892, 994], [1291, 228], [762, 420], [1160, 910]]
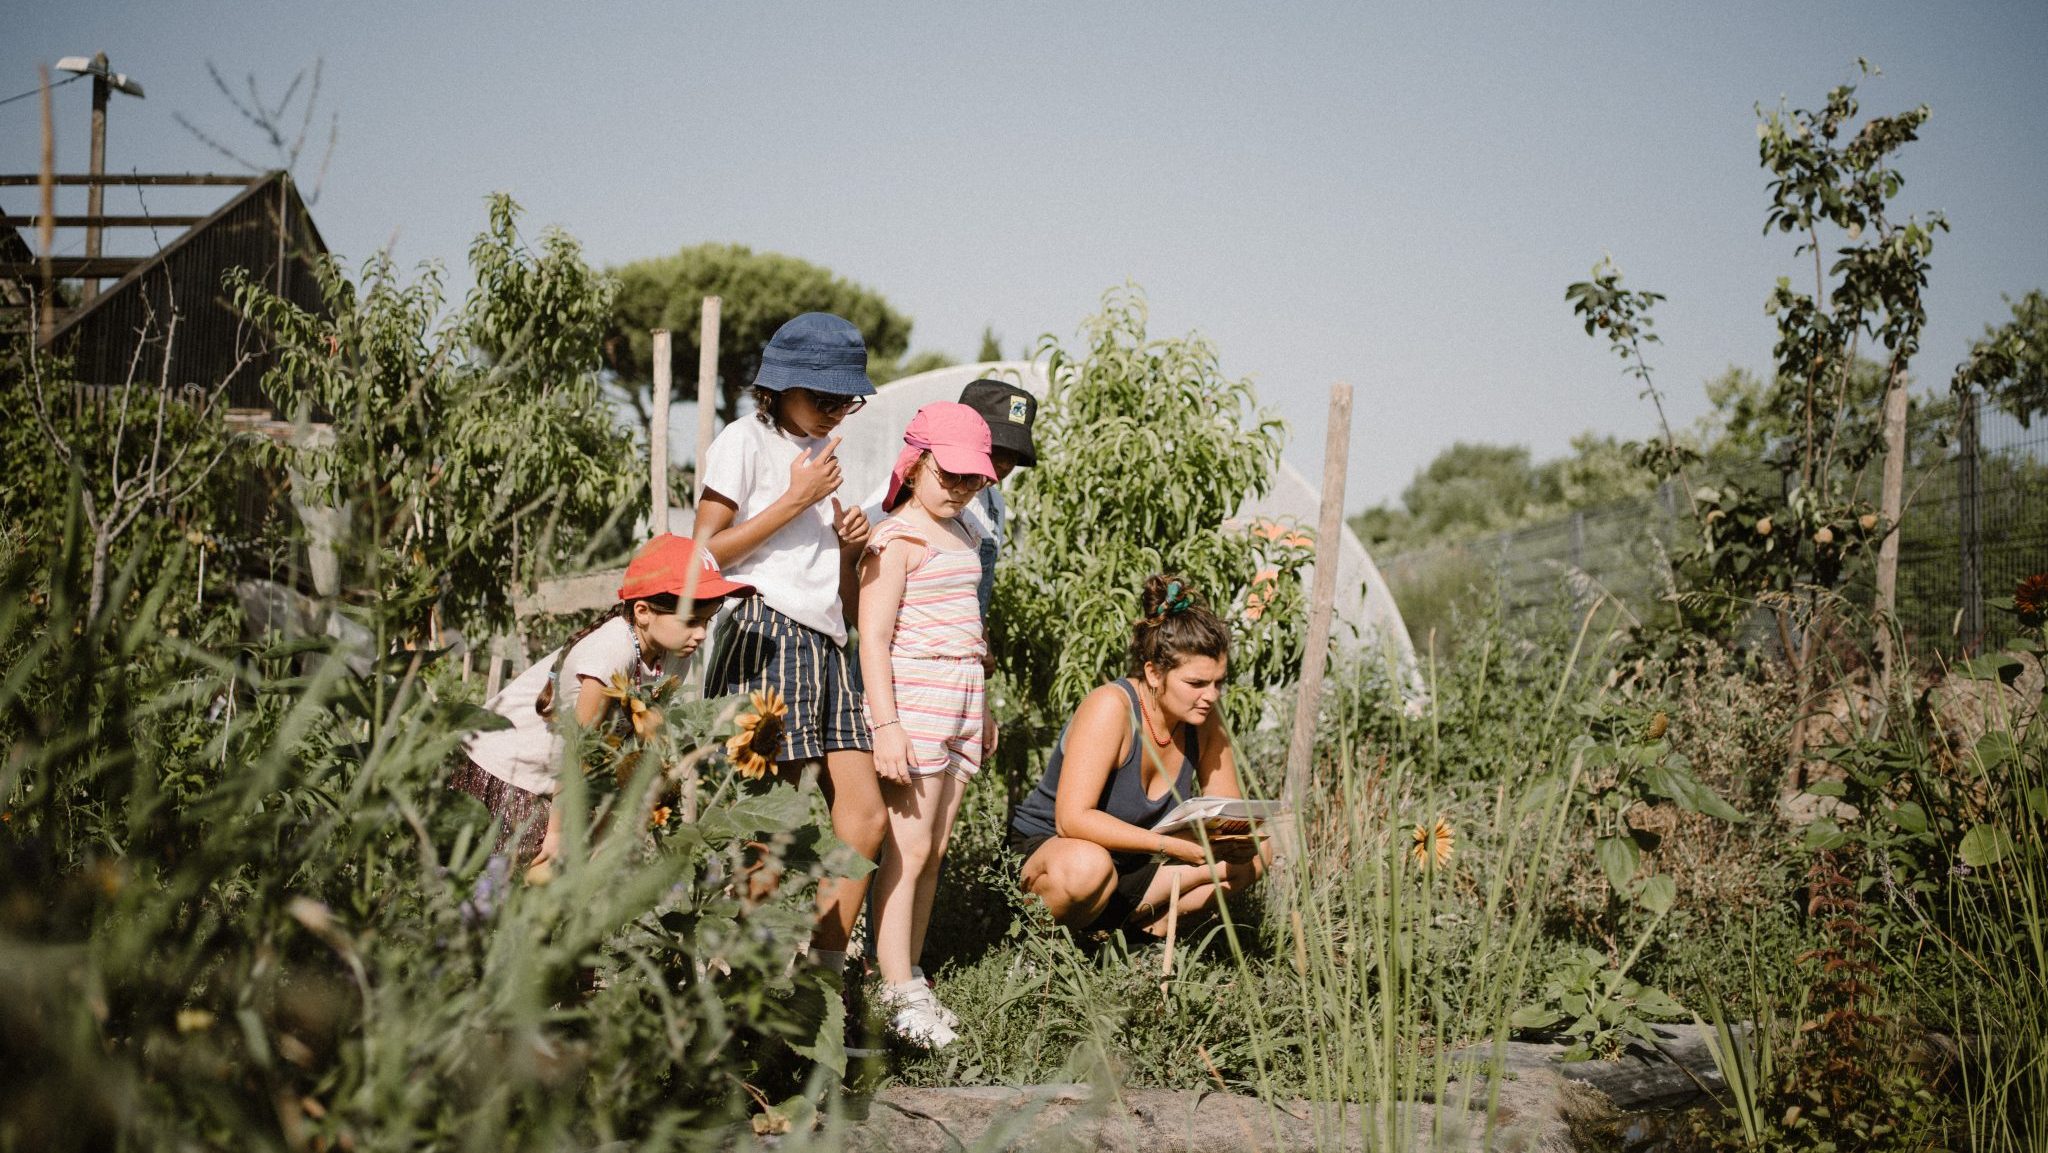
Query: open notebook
[[1212, 811]]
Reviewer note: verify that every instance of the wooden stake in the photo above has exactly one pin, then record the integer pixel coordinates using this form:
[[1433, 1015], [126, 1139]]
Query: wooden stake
[[1322, 600], [1172, 932], [1891, 506], [707, 381], [657, 439]]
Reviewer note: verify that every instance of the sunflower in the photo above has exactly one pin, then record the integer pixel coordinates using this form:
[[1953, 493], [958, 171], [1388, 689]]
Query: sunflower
[[1433, 844], [759, 737], [2030, 599], [646, 719]]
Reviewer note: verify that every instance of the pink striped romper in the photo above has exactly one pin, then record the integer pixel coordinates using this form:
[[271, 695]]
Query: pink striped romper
[[937, 653]]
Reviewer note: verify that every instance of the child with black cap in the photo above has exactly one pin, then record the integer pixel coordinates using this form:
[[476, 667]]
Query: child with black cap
[[1009, 411]]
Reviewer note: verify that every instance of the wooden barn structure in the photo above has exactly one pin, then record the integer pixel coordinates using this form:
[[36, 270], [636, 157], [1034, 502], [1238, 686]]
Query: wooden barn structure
[[123, 333]]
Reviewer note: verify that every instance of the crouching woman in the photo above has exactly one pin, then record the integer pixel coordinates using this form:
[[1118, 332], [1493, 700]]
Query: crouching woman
[[1135, 748]]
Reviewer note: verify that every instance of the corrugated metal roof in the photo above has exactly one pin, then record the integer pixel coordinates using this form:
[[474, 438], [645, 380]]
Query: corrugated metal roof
[[126, 334]]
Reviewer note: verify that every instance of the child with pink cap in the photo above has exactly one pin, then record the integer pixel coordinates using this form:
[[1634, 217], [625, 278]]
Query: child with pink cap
[[921, 656]]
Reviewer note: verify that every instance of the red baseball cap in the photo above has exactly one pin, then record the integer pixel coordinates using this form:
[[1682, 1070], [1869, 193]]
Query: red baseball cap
[[673, 564], [955, 435]]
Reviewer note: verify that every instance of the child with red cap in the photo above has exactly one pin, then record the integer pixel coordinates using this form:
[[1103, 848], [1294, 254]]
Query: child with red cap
[[921, 655], [646, 636]]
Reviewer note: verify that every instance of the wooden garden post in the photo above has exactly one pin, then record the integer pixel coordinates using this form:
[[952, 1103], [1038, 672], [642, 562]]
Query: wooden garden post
[[707, 381], [1969, 526], [1891, 505], [657, 437], [1322, 600]]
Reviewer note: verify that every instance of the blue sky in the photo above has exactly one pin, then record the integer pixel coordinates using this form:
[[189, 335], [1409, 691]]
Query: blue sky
[[1393, 195]]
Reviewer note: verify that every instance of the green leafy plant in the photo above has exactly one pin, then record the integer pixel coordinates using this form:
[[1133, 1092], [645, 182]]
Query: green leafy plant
[[149, 464], [1939, 834], [1622, 765], [470, 452], [1148, 455], [2010, 364], [1833, 1071], [1624, 316], [1594, 1002], [242, 903]]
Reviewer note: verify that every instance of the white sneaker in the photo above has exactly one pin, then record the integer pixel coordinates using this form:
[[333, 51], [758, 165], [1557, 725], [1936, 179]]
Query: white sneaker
[[931, 997], [916, 1022]]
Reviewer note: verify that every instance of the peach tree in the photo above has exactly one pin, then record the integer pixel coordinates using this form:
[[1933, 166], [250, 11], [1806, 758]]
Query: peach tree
[[1789, 546], [1147, 454]]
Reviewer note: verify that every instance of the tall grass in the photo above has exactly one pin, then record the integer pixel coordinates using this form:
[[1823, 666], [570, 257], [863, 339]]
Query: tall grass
[[242, 909], [1359, 976], [1993, 996], [1412, 971]]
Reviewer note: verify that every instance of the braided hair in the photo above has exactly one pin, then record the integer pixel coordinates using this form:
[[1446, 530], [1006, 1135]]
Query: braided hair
[[667, 604], [1175, 626]]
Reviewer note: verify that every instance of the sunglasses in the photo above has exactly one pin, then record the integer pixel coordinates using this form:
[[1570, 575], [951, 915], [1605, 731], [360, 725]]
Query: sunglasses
[[832, 404], [959, 482]]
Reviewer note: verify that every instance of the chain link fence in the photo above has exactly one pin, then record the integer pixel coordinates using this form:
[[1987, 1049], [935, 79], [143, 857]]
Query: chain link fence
[[1975, 522]]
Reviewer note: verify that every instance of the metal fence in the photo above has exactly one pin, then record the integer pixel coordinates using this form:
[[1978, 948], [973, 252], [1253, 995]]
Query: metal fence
[[1973, 529], [1975, 522]]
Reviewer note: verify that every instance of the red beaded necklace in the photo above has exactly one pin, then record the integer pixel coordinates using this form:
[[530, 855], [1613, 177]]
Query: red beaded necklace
[[1151, 732]]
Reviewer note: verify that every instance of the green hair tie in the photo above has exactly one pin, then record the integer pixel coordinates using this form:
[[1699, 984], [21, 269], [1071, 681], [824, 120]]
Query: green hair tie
[[1176, 602]]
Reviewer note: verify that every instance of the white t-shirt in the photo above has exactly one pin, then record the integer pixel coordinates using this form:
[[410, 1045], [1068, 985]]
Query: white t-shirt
[[526, 755], [796, 571]]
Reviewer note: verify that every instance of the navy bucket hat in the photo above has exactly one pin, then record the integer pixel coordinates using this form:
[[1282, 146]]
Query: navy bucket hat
[[817, 351]]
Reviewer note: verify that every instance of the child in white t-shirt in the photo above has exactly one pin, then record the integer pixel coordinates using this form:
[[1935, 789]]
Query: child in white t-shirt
[[645, 637], [767, 509]]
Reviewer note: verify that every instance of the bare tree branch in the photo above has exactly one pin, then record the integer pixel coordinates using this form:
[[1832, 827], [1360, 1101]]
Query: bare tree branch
[[221, 82], [320, 178], [268, 119], [210, 142], [312, 101]]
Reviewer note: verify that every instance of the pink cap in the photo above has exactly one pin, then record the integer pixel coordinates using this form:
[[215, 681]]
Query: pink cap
[[955, 435]]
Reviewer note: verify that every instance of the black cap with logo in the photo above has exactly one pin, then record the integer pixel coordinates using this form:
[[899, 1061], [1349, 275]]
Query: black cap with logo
[[1009, 411]]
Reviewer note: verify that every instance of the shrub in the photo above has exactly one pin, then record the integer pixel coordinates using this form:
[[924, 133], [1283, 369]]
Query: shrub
[[1148, 454], [242, 908]]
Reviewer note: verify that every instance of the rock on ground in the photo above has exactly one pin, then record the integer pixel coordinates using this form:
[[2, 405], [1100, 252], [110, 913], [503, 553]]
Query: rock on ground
[[1534, 1112]]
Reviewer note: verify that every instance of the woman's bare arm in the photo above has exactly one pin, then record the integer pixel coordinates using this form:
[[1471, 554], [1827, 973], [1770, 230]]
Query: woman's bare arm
[[1216, 772], [1216, 776], [1096, 744]]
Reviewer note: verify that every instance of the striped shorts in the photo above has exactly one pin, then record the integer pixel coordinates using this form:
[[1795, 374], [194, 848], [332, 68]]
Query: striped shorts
[[940, 701], [759, 648]]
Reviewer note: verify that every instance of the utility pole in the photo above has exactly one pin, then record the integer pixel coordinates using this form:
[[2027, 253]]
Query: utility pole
[[105, 81], [96, 193]]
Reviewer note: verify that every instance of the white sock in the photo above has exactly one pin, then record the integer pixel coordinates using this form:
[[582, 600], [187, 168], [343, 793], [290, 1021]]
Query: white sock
[[833, 959]]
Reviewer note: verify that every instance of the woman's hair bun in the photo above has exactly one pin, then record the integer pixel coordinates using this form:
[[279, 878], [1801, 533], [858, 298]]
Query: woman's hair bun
[[1162, 592], [1174, 624]]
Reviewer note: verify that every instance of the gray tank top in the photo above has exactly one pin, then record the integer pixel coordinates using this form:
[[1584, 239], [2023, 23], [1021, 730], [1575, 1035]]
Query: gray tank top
[[1123, 796]]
